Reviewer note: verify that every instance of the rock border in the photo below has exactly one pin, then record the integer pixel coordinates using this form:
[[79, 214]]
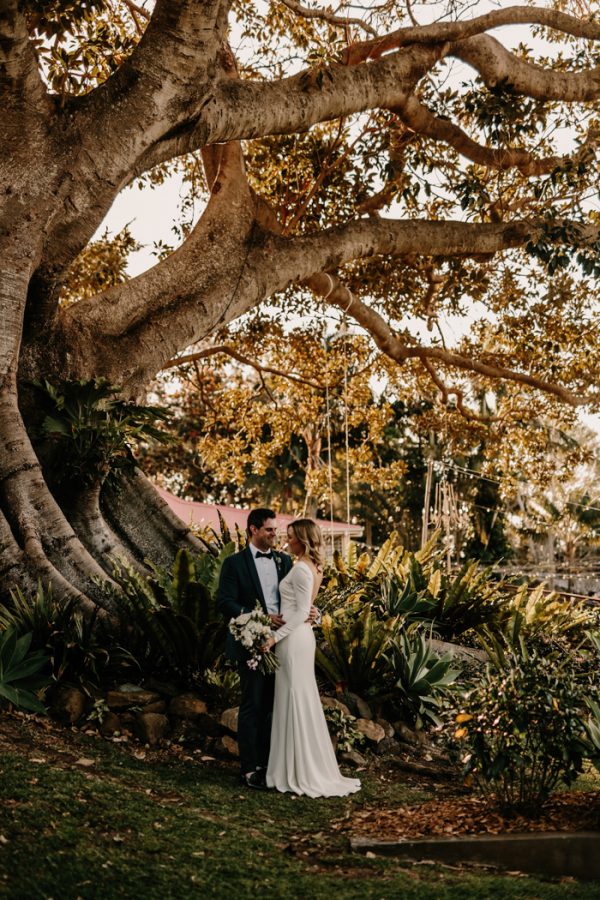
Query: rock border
[[575, 854]]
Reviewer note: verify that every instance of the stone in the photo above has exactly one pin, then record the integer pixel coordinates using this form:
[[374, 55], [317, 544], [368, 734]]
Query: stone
[[187, 706], [110, 724], [228, 744], [410, 735], [389, 746], [229, 719], [353, 757], [164, 688], [207, 725], [151, 727], [389, 729], [371, 730], [333, 703], [128, 695], [358, 707], [469, 655], [68, 704], [159, 706]]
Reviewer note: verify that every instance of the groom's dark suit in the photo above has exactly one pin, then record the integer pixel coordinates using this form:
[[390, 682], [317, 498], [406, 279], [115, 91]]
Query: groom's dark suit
[[239, 591]]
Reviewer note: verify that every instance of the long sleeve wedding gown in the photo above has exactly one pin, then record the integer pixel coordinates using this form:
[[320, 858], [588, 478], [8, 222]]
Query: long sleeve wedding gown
[[302, 759]]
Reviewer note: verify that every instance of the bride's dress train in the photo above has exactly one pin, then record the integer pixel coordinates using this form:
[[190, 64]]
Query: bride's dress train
[[302, 759]]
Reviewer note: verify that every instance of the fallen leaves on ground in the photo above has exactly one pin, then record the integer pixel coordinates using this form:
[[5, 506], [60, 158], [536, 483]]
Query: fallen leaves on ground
[[565, 811]]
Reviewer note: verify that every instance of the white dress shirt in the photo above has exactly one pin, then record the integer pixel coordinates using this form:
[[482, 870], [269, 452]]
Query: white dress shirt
[[267, 575]]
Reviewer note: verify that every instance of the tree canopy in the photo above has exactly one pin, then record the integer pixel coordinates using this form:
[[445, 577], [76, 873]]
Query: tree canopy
[[396, 163]]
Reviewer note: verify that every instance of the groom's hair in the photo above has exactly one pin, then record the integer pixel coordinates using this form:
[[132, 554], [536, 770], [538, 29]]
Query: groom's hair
[[258, 517]]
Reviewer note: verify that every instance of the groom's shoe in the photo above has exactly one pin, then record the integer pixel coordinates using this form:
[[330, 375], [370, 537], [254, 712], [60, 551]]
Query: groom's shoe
[[256, 780]]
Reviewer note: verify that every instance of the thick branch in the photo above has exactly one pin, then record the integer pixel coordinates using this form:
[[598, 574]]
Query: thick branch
[[497, 66], [141, 324], [457, 31], [241, 110], [154, 93], [421, 120], [21, 87]]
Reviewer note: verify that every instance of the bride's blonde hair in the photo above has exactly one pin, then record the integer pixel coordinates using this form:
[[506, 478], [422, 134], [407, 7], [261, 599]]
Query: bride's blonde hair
[[309, 534]]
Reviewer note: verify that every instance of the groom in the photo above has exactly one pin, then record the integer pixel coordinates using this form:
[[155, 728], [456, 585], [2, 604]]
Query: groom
[[249, 576]]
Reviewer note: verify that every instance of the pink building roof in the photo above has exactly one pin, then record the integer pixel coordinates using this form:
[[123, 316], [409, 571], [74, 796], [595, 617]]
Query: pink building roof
[[205, 515]]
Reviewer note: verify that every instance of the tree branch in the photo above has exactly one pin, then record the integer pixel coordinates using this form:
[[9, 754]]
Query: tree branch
[[129, 331], [248, 109], [158, 89], [325, 16], [441, 32], [245, 360], [422, 121], [497, 66], [447, 391], [336, 294]]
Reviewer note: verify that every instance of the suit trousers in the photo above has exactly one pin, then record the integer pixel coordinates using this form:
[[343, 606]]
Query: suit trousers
[[254, 717]]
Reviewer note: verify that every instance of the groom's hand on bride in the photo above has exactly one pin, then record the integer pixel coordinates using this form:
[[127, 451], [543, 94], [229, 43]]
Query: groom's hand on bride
[[314, 616], [276, 620]]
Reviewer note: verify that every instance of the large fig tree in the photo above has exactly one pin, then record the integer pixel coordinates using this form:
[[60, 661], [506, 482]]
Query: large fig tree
[[385, 160]]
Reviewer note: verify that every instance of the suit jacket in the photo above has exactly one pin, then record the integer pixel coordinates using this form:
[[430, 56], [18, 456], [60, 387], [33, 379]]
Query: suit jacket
[[239, 590]]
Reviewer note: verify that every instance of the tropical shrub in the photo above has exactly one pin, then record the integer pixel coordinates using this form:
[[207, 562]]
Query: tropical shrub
[[222, 687], [78, 648], [416, 587], [521, 728], [169, 622], [546, 614], [466, 600], [351, 653], [21, 671], [89, 429], [422, 678]]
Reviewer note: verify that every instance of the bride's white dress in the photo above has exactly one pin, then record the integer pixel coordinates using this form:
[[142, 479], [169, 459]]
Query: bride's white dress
[[302, 759]]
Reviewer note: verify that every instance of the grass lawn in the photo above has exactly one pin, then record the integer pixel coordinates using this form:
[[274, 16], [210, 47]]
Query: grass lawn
[[83, 817]]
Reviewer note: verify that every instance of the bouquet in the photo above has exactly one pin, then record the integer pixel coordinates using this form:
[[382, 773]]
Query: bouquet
[[253, 630]]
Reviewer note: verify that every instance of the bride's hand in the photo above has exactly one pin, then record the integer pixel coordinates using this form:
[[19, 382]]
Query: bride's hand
[[267, 646]]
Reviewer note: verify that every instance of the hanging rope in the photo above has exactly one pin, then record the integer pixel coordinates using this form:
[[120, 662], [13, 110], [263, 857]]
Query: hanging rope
[[346, 429], [329, 464]]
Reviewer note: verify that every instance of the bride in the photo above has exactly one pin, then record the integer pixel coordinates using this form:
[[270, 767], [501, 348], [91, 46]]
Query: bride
[[302, 759]]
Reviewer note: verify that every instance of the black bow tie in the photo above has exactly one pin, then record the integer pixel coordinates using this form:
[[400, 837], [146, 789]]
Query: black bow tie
[[260, 555]]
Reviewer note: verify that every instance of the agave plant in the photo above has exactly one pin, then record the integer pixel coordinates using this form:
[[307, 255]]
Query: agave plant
[[423, 678], [21, 676]]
